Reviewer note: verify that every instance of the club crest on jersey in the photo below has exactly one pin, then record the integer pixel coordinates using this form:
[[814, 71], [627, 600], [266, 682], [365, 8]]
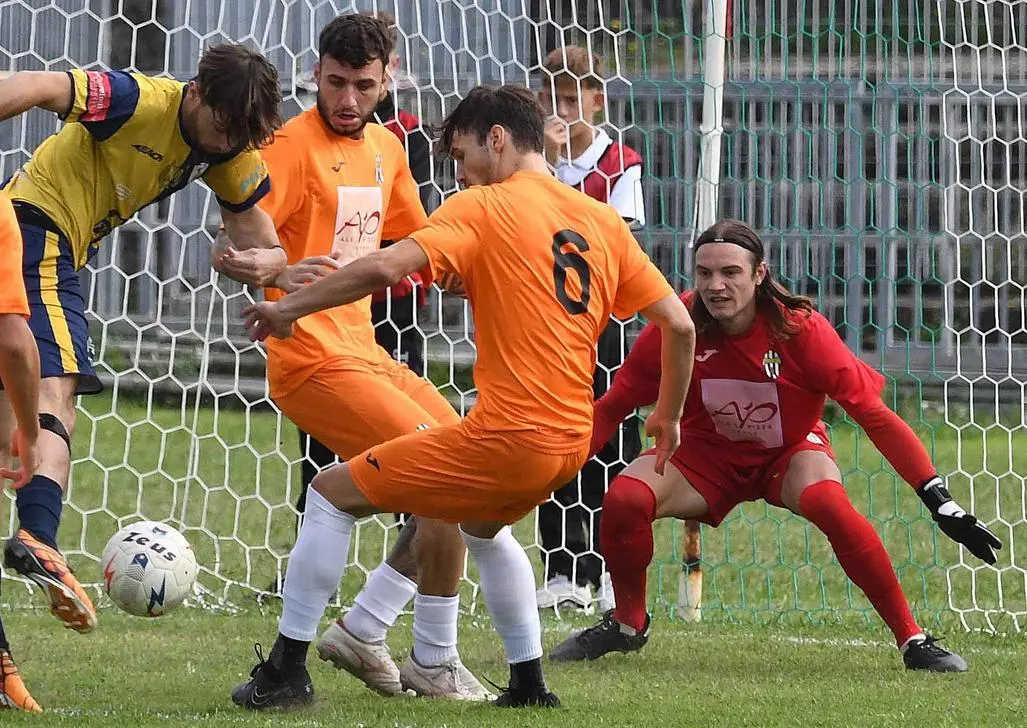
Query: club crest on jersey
[[772, 364], [379, 171]]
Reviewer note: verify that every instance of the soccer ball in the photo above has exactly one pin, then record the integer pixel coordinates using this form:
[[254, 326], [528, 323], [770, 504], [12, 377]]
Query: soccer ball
[[149, 568]]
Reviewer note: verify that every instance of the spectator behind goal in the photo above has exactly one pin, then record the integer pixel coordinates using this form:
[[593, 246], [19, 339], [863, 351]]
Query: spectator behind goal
[[586, 157]]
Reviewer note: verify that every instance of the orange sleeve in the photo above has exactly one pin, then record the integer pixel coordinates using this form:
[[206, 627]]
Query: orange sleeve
[[453, 233], [285, 170], [405, 213], [640, 284], [12, 284]]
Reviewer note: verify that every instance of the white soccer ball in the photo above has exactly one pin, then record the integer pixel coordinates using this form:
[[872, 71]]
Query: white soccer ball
[[149, 568]]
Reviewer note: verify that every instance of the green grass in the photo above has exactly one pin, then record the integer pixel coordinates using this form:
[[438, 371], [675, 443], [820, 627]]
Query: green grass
[[180, 669], [227, 475]]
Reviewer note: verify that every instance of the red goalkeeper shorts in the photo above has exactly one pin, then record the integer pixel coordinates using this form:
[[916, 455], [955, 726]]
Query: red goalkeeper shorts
[[724, 483]]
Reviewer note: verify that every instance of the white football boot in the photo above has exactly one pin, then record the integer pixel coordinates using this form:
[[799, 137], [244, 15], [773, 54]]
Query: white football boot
[[450, 680], [369, 662]]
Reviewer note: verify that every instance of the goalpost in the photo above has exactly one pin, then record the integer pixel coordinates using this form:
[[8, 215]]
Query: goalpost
[[879, 149]]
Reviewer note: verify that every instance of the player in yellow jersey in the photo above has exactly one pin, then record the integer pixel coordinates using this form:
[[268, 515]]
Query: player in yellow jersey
[[19, 371], [341, 186], [128, 140]]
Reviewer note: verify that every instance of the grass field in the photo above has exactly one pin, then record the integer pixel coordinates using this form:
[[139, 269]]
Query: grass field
[[179, 670], [785, 639]]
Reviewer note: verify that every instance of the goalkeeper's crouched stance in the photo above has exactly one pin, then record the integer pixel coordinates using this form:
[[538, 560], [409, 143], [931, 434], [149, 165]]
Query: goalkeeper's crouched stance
[[765, 363]]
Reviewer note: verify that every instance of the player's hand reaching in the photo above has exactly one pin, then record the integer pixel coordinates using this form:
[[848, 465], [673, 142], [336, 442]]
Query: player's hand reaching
[[255, 267], [307, 271], [26, 449], [956, 523], [555, 139], [266, 319], [667, 433]]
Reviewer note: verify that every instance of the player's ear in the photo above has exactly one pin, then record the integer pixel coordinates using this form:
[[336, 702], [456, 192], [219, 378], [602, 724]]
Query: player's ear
[[761, 272], [317, 72], [497, 138]]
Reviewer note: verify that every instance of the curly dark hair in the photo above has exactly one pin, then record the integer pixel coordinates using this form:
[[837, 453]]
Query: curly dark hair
[[513, 107], [771, 296], [356, 40], [241, 87]]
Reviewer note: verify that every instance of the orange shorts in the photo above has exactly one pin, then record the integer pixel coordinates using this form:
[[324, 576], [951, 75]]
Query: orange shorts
[[459, 473], [350, 409]]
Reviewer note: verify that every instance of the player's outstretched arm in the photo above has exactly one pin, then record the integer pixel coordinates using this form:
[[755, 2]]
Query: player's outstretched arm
[[19, 370], [361, 278], [905, 452], [834, 369], [249, 250], [24, 90], [677, 353]]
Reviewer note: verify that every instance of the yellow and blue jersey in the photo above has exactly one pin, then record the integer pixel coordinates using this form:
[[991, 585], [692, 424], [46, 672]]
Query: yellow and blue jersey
[[123, 147]]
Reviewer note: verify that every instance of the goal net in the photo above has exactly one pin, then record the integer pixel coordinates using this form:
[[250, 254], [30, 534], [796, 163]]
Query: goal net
[[880, 149]]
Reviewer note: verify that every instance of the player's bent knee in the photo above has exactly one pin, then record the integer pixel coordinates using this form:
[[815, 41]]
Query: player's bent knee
[[335, 484], [804, 469], [58, 399], [629, 500]]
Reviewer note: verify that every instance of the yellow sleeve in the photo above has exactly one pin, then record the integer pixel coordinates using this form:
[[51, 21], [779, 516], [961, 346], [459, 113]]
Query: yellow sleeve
[[453, 233], [239, 183]]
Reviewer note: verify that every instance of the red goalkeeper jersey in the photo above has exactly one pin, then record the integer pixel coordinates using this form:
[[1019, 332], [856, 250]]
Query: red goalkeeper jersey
[[752, 396]]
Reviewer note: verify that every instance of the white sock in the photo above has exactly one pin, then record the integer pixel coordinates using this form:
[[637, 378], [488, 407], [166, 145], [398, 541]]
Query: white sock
[[905, 645], [435, 629], [315, 567], [386, 593], [508, 584]]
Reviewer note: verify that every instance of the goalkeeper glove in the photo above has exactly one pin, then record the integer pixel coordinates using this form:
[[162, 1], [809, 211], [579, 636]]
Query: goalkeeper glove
[[956, 523]]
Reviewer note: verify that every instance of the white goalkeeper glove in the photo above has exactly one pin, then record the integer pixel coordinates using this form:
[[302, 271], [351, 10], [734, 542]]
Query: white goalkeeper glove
[[956, 523]]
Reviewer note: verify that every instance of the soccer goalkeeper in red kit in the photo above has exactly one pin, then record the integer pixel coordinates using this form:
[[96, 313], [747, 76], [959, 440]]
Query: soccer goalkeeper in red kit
[[765, 363]]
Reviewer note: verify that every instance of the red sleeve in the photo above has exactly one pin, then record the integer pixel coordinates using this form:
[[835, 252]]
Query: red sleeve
[[635, 384], [896, 441], [852, 383]]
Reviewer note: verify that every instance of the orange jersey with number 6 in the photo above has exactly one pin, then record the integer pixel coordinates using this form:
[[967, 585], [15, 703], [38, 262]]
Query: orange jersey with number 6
[[544, 266], [332, 194]]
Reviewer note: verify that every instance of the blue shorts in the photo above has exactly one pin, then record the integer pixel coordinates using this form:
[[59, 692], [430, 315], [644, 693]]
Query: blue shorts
[[58, 311]]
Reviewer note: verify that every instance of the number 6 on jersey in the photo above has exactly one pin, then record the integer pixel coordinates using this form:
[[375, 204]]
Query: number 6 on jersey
[[574, 260]]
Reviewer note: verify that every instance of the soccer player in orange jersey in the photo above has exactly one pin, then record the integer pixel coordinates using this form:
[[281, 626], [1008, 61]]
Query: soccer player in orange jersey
[[544, 267], [339, 186], [19, 372]]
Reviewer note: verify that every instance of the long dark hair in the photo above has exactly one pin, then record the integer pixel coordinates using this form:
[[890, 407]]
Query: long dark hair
[[772, 298]]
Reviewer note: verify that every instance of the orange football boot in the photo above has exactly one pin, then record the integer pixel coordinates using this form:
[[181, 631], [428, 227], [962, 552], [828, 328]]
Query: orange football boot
[[13, 693], [44, 565]]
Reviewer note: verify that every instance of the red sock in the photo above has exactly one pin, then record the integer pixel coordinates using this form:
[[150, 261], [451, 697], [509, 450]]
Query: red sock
[[860, 552], [626, 541]]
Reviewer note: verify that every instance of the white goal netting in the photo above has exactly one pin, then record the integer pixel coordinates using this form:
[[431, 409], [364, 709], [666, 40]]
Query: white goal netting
[[889, 186]]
